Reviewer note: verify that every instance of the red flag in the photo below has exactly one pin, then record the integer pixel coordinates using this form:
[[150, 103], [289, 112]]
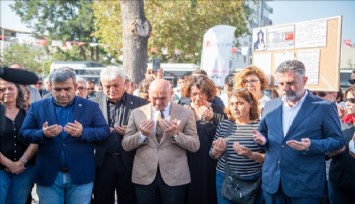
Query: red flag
[[289, 36], [81, 43], [234, 50], [347, 43], [68, 44], [42, 42]]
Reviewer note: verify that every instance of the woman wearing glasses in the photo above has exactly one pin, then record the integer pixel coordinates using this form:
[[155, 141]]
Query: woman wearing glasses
[[254, 80], [341, 184], [200, 90]]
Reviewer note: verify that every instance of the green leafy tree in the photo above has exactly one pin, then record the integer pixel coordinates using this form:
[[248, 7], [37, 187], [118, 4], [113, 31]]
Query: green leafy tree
[[60, 20], [177, 26], [28, 56]]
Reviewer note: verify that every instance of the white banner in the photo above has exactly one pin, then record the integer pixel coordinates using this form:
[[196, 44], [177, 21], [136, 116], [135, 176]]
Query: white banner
[[217, 52]]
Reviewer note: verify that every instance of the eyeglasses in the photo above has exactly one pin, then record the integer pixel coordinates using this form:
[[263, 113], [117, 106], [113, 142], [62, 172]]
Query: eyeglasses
[[252, 81], [351, 100], [10, 89], [90, 88], [81, 88], [320, 93]]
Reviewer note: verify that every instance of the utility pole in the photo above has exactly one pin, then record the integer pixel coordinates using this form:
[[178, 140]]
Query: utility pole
[[2, 43], [261, 19]]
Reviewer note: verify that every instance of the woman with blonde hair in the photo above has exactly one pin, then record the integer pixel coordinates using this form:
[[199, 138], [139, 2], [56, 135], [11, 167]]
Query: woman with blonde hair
[[254, 80]]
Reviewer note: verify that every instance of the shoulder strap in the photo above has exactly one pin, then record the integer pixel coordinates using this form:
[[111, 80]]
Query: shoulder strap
[[226, 151]]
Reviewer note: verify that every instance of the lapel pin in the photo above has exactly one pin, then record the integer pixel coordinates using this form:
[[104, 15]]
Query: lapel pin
[[131, 102], [80, 105]]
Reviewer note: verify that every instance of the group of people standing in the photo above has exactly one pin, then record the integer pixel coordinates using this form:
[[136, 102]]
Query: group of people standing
[[118, 146]]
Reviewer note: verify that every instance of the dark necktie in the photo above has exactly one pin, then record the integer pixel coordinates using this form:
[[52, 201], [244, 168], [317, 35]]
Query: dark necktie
[[159, 131]]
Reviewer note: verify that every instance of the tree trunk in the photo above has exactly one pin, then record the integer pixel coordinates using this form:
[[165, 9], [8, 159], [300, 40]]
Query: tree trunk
[[136, 31]]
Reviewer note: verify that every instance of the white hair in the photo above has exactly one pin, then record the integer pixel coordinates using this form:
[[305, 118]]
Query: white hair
[[112, 72], [79, 78]]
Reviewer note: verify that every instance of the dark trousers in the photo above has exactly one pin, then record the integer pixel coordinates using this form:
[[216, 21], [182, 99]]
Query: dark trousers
[[110, 177], [281, 198], [338, 196], [159, 192]]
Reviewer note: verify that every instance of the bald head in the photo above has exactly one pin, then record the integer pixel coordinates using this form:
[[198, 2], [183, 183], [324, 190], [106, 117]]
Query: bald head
[[160, 84], [160, 92]]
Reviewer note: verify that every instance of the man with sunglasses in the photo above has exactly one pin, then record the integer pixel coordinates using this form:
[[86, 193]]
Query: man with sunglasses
[[352, 78], [296, 131], [331, 96], [341, 184]]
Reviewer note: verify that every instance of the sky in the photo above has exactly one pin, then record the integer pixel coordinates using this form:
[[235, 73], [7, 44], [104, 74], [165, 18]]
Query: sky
[[9, 19], [285, 12], [291, 11]]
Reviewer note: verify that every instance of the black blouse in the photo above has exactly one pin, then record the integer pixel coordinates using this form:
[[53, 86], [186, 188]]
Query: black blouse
[[11, 144]]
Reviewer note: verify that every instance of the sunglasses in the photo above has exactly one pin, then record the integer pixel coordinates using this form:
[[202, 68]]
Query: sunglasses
[[351, 100], [351, 81], [320, 93]]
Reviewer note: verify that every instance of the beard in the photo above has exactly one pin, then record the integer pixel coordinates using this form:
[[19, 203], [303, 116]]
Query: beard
[[290, 95]]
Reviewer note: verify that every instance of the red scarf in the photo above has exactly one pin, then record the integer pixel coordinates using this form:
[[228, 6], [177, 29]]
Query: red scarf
[[349, 119]]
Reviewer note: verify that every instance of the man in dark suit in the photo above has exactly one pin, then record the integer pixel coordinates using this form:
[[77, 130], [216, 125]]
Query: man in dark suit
[[64, 127], [296, 131], [161, 172], [114, 165]]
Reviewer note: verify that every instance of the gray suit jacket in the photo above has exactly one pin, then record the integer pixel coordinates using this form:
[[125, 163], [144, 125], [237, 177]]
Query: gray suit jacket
[[169, 154]]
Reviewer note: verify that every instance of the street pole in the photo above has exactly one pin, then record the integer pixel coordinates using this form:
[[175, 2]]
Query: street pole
[[2, 43]]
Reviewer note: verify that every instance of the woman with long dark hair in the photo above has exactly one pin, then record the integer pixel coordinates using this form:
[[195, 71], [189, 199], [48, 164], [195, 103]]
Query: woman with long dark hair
[[16, 163]]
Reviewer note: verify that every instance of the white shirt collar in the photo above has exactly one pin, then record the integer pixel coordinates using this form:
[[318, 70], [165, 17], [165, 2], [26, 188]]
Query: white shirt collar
[[166, 110]]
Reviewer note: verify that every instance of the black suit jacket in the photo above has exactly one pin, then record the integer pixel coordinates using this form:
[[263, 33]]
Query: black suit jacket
[[131, 102]]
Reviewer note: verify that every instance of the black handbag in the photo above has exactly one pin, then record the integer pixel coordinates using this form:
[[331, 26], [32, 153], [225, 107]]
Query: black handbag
[[234, 188]]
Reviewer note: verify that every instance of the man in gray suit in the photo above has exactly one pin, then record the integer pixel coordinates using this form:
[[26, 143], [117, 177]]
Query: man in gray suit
[[161, 132]]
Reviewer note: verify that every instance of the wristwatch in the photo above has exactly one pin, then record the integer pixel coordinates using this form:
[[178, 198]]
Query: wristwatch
[[24, 160], [174, 137]]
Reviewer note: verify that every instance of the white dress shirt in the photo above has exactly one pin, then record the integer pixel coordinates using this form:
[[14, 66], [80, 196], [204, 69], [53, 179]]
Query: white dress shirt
[[289, 113]]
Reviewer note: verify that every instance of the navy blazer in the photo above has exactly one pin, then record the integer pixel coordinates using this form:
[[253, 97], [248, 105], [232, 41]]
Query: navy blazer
[[301, 173], [79, 151]]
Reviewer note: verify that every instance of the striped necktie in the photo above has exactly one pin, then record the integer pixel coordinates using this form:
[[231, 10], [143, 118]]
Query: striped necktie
[[159, 131]]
